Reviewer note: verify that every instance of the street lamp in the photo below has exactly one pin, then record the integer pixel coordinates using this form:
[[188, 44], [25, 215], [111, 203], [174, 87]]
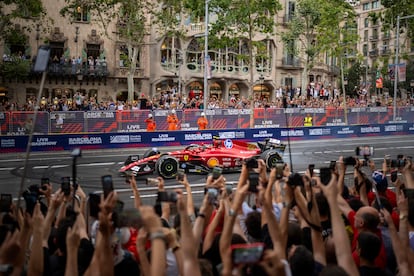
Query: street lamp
[[397, 48]]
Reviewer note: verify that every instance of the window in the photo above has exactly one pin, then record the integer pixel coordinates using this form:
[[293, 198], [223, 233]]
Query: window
[[366, 22], [366, 35], [365, 50], [82, 13], [290, 10], [365, 7], [375, 4], [123, 57]]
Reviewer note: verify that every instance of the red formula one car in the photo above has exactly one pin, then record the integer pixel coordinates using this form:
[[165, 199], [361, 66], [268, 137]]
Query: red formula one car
[[227, 153]]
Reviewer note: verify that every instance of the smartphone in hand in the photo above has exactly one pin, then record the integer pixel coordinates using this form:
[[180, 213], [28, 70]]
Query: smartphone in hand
[[65, 185], [107, 185]]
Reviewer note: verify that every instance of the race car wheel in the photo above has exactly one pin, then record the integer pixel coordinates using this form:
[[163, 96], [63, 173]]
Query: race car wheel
[[271, 157], [167, 166]]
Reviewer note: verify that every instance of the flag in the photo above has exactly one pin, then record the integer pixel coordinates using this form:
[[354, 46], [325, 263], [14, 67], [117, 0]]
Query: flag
[[402, 69]]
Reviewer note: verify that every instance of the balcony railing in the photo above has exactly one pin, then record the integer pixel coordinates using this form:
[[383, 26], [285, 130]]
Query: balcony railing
[[373, 53], [289, 61], [373, 37]]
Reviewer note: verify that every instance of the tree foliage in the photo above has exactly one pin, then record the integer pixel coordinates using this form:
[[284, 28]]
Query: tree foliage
[[15, 9], [393, 8]]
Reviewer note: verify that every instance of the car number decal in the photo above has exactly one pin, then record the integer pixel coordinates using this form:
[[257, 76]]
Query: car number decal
[[228, 143]]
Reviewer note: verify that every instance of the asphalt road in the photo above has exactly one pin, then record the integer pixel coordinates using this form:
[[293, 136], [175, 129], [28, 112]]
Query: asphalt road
[[93, 164]]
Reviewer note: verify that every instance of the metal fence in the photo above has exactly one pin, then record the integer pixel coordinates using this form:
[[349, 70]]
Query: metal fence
[[19, 123]]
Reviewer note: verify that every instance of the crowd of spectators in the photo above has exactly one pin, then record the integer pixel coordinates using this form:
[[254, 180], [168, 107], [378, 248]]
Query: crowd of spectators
[[172, 100], [297, 224]]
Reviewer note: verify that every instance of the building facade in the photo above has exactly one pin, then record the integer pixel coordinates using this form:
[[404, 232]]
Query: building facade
[[84, 60]]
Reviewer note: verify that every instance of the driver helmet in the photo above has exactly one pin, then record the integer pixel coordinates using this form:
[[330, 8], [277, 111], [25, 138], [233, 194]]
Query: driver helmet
[[173, 111], [150, 115]]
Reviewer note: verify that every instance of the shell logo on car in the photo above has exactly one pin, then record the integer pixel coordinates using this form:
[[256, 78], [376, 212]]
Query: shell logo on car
[[212, 162]]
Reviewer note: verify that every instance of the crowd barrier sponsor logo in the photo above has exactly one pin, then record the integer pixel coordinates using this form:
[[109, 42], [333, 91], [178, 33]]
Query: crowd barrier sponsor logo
[[319, 131], [346, 130], [116, 139], [262, 134], [163, 138], [95, 140], [391, 128], [198, 136], [267, 124], [135, 138], [411, 128], [102, 114], [132, 128], [43, 141], [370, 129], [8, 143], [292, 133], [336, 122]]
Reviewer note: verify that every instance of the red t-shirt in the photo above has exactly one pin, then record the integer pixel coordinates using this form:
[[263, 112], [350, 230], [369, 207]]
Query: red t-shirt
[[381, 260], [390, 195]]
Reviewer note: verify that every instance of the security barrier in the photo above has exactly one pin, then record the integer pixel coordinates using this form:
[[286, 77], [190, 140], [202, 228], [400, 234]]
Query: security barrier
[[128, 121]]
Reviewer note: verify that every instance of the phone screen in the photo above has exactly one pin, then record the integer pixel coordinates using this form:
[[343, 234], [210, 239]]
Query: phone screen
[[65, 185], [247, 253], [217, 171], [107, 185]]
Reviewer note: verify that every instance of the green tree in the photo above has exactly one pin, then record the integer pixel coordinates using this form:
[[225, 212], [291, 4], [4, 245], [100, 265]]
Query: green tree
[[316, 27], [243, 20], [132, 18], [393, 8], [18, 9]]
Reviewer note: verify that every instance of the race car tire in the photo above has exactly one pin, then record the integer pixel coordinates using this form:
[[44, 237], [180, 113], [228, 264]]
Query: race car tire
[[167, 166], [271, 157]]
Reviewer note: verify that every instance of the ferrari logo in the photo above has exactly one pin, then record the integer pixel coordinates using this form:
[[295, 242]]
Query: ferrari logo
[[186, 157]]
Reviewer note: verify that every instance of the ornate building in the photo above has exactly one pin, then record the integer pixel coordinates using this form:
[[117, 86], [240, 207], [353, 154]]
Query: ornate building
[[84, 59]]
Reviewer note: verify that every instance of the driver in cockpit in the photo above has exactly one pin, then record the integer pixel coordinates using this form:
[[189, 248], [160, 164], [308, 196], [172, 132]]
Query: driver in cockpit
[[216, 142]]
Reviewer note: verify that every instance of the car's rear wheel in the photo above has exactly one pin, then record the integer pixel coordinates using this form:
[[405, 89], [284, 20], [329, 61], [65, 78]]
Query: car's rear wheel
[[271, 157], [167, 166]]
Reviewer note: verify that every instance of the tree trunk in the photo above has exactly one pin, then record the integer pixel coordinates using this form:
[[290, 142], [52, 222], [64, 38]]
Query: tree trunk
[[132, 56]]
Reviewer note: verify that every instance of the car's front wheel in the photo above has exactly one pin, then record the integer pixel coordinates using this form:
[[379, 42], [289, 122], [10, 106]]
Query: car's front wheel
[[167, 166], [271, 157]]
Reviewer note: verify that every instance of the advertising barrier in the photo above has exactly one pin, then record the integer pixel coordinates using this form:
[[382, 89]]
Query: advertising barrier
[[17, 143]]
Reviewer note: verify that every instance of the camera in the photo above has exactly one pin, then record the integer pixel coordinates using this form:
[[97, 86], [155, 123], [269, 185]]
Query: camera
[[212, 195], [397, 163], [251, 163], [294, 180], [364, 151], [107, 184], [253, 182], [30, 196], [164, 196], [247, 253], [152, 181], [5, 202], [217, 171], [44, 182], [279, 170], [350, 161], [325, 175], [311, 167], [65, 185]]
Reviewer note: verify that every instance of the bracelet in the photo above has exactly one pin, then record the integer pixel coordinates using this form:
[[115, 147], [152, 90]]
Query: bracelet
[[157, 235], [201, 215]]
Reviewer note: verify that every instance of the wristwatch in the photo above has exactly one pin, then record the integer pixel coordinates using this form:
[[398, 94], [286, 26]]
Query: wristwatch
[[232, 213]]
